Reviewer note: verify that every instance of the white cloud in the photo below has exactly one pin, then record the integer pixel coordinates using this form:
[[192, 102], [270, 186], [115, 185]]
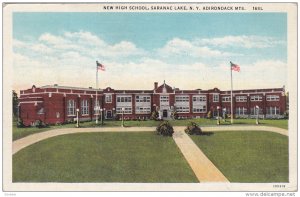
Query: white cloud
[[69, 59], [241, 41], [179, 46]]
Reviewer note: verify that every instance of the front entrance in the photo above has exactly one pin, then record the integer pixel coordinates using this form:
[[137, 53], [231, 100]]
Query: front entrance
[[109, 114], [165, 113]]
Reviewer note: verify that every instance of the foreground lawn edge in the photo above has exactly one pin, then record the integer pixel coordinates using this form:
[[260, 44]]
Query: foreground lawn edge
[[248, 156], [103, 157]]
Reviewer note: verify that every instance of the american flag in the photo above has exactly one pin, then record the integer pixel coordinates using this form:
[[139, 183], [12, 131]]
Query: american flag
[[100, 66], [235, 67]]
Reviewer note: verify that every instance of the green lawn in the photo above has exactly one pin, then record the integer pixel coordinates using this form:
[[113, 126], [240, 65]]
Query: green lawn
[[247, 156], [22, 132], [103, 157]]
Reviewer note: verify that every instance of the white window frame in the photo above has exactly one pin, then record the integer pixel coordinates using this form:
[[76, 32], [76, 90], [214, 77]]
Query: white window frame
[[182, 109], [123, 99], [241, 111], [273, 97], [199, 98], [84, 107], [216, 98], [142, 110], [226, 99], [71, 107], [182, 99], [97, 106], [241, 98], [199, 109], [270, 111], [108, 98], [142, 99], [164, 99], [256, 98], [127, 110]]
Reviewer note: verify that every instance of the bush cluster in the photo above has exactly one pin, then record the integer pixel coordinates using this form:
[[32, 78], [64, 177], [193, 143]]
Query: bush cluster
[[165, 129], [40, 124], [20, 124], [193, 129], [154, 115]]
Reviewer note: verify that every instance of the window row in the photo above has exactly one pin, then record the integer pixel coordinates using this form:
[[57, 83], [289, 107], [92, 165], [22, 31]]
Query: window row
[[182, 99], [71, 107], [183, 109], [123, 99], [127, 110], [142, 99], [199, 109], [272, 98], [142, 110], [199, 98]]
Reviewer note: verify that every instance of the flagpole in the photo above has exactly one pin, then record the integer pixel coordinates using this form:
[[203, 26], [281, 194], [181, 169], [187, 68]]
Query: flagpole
[[96, 105], [231, 116]]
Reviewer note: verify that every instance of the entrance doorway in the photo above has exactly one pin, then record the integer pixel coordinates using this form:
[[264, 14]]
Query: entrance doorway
[[109, 114], [165, 113]]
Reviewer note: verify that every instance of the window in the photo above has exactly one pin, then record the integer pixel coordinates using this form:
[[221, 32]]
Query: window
[[124, 99], [142, 99], [273, 111], [199, 98], [127, 110], [215, 98], [182, 99], [253, 111], [199, 109], [241, 98], [108, 98], [97, 107], [71, 108], [272, 98], [142, 110], [182, 109], [256, 98], [164, 99], [84, 107], [241, 111], [226, 99]]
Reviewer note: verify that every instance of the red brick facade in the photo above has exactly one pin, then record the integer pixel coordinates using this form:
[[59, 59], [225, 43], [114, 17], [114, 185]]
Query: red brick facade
[[59, 104]]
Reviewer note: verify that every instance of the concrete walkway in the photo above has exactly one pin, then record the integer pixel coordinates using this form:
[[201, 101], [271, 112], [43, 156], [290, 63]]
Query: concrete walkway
[[31, 139], [203, 168]]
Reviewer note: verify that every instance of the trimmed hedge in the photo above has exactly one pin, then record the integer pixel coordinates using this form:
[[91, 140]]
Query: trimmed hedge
[[193, 129], [165, 129]]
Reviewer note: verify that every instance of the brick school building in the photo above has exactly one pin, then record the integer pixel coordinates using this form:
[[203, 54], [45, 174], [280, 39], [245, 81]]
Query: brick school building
[[55, 104]]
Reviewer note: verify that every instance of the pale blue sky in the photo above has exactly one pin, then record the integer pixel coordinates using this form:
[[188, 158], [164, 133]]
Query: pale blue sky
[[157, 46]]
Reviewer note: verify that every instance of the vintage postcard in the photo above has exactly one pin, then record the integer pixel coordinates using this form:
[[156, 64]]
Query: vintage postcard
[[150, 97]]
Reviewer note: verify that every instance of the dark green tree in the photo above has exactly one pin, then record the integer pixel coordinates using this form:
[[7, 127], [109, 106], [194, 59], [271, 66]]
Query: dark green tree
[[15, 103]]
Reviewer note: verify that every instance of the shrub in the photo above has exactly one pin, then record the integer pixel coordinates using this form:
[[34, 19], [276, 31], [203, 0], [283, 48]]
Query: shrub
[[154, 115], [165, 129], [20, 124], [209, 114], [40, 124], [174, 115], [193, 129]]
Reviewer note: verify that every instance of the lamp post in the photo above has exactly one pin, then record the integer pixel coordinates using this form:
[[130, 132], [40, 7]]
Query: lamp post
[[123, 116], [77, 113], [257, 113], [113, 113], [224, 114], [102, 115], [218, 120]]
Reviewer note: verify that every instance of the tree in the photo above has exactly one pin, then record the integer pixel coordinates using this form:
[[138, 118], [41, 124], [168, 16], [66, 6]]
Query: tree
[[15, 102]]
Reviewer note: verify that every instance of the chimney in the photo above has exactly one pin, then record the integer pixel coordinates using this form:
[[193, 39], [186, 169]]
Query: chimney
[[155, 85]]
